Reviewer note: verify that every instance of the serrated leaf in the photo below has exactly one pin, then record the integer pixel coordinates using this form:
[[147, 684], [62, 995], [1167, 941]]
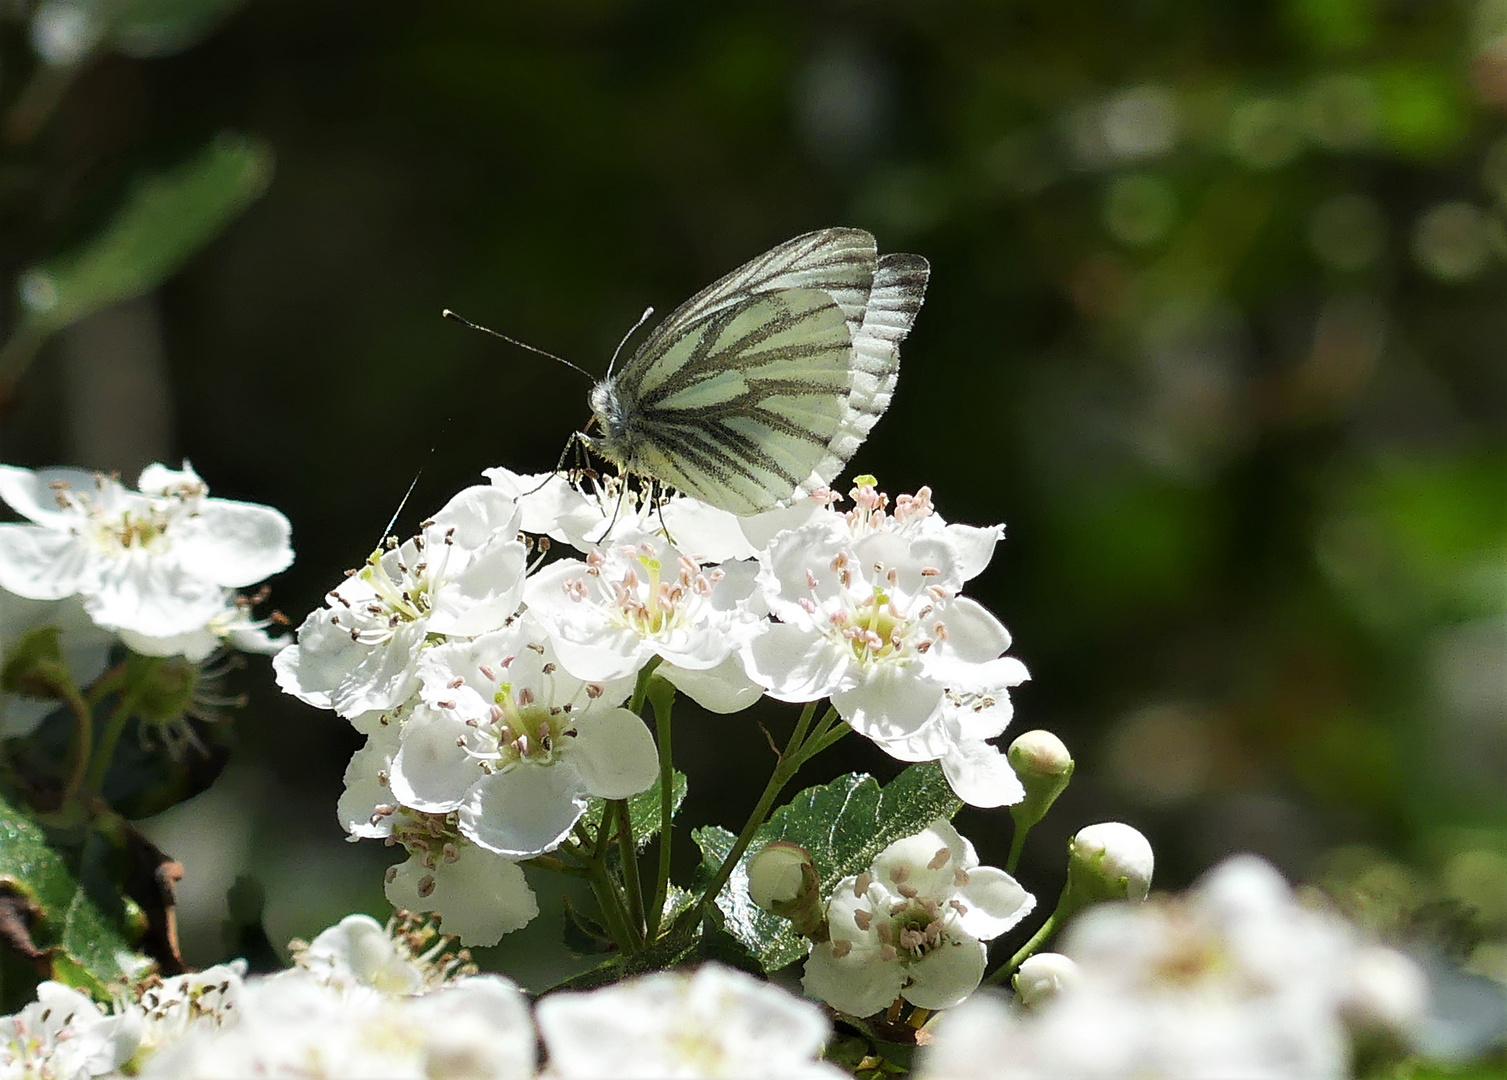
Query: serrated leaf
[[844, 825], [643, 810], [164, 218], [89, 945]]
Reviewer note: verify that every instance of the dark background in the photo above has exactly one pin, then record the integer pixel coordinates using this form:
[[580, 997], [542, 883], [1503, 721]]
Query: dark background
[[1215, 326]]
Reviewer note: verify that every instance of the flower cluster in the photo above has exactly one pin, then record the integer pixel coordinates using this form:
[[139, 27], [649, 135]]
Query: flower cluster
[[914, 925], [491, 684], [363, 1000], [1237, 978], [158, 569]]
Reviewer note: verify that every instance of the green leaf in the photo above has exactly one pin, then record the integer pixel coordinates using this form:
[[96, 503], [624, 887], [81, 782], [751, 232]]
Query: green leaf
[[844, 825], [643, 810], [88, 946], [164, 218]]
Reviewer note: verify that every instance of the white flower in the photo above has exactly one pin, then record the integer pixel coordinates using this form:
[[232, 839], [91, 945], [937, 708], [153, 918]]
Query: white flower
[[85, 648], [233, 626], [713, 1023], [913, 925], [367, 805], [874, 621], [515, 744], [479, 896], [359, 956], [298, 1026], [580, 516], [607, 616], [461, 576], [155, 562], [63, 1035], [1234, 979], [168, 1008]]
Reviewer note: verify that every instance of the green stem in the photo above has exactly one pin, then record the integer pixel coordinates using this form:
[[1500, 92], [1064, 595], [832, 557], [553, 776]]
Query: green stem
[[80, 744], [662, 698], [1062, 912], [115, 725], [610, 903], [628, 852], [641, 688], [1017, 845]]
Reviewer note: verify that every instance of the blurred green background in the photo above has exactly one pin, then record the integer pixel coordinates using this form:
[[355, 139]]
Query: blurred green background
[[1216, 326]]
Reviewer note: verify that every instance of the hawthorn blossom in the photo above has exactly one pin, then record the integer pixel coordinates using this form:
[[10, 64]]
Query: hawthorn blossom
[[609, 615], [478, 896], [234, 627], [712, 1023], [913, 926], [1236, 978], [515, 744], [64, 1035], [167, 1009], [580, 514], [294, 1025], [870, 616], [154, 562], [461, 576], [359, 956]]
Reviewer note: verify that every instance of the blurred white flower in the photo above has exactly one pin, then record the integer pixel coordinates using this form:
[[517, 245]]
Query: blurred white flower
[[154, 562], [913, 926], [1234, 979], [672, 1025], [299, 1026], [870, 616], [168, 1008], [515, 744], [642, 597], [461, 576], [1043, 976], [63, 1035], [232, 627], [85, 648]]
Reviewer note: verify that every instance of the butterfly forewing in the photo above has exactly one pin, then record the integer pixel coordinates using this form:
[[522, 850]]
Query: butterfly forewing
[[741, 409]]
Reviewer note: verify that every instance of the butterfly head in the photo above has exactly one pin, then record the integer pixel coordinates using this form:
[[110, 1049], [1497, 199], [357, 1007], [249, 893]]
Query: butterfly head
[[612, 415]]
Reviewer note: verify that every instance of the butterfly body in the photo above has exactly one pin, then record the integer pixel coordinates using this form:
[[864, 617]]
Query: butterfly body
[[761, 386]]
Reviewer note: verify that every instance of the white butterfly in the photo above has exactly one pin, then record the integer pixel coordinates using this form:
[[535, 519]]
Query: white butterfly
[[760, 387]]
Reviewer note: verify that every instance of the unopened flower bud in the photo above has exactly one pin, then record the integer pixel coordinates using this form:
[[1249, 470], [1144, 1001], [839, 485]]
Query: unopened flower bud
[[1043, 976], [1109, 861], [1044, 766], [783, 880]]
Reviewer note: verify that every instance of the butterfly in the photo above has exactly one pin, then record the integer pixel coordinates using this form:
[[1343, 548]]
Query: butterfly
[[760, 387]]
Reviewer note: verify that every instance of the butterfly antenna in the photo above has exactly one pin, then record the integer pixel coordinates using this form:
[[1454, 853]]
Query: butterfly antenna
[[453, 317], [386, 532], [641, 320]]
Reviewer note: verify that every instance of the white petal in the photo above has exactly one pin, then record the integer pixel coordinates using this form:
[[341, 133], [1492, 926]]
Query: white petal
[[482, 596], [365, 794], [760, 529], [476, 516], [609, 654], [795, 664], [195, 646], [995, 902], [480, 896], [234, 544], [946, 975], [523, 811], [973, 633], [431, 772], [890, 702], [41, 564], [705, 532], [974, 546], [860, 984], [153, 597], [33, 495], [614, 753], [725, 688], [980, 775], [927, 861]]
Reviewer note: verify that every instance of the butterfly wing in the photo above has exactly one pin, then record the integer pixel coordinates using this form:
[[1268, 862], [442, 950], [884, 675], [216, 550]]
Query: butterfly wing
[[740, 408], [762, 385]]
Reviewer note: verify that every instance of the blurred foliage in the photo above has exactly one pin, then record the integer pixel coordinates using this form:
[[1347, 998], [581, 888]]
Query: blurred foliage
[[1215, 325]]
